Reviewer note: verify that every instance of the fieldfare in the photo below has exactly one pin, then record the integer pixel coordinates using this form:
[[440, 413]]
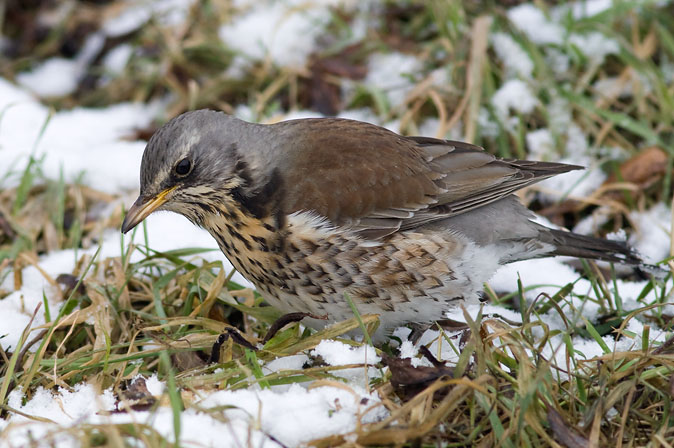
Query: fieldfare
[[310, 210]]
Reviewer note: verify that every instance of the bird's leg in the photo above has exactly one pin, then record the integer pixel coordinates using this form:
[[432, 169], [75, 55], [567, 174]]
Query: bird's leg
[[418, 331], [285, 320], [446, 324], [237, 337], [451, 325], [428, 355], [514, 323]]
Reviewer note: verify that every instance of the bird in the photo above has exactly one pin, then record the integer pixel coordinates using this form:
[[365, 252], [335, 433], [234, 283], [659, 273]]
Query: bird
[[319, 212]]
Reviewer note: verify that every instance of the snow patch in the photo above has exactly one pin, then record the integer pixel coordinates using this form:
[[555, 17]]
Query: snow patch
[[297, 416], [53, 77], [541, 144], [271, 29], [116, 59], [558, 61], [532, 22], [137, 13], [515, 60], [513, 95], [583, 9], [89, 141], [595, 46], [390, 73], [337, 353], [653, 232]]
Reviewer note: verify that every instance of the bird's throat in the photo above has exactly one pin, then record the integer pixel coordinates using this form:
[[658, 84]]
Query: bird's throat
[[251, 244]]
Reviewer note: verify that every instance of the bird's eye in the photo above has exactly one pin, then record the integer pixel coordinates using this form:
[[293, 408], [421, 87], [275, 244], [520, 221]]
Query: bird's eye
[[183, 167]]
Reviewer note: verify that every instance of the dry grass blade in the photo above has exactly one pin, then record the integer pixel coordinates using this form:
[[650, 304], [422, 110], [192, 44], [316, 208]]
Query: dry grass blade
[[415, 418]]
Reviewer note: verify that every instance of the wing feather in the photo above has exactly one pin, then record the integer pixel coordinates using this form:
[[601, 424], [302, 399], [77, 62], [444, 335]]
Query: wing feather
[[377, 182]]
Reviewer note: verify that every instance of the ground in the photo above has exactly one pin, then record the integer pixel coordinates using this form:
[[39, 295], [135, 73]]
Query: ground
[[106, 338]]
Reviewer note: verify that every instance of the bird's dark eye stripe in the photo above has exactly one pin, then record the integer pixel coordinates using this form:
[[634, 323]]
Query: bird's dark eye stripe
[[183, 167]]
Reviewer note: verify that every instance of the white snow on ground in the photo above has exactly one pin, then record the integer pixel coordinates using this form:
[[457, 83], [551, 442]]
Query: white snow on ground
[[613, 87], [589, 224], [67, 408], [250, 418], [544, 30], [64, 74], [390, 73], [115, 61], [559, 115], [579, 183], [514, 95], [292, 362], [319, 412], [541, 144], [130, 18], [558, 61], [653, 232], [532, 22], [77, 141], [271, 29], [548, 275], [59, 76], [488, 126], [515, 60], [583, 8], [336, 353], [595, 46]]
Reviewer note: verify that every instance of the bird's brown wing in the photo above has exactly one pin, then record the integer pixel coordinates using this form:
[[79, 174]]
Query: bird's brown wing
[[377, 182]]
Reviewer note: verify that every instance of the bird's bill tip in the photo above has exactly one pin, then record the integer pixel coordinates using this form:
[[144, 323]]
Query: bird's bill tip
[[142, 208]]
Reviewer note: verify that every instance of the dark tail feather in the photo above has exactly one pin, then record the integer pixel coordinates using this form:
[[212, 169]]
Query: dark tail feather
[[581, 246]]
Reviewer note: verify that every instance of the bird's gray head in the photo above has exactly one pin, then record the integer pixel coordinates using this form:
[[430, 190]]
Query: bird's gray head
[[187, 164]]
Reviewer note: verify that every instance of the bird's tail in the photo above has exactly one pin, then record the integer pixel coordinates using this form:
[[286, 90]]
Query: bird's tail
[[581, 246]]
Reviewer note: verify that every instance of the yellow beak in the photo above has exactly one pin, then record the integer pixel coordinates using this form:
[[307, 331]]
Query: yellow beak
[[142, 208]]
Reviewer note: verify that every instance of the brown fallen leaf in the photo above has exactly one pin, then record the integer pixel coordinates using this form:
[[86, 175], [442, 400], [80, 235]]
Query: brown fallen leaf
[[642, 169], [410, 380]]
